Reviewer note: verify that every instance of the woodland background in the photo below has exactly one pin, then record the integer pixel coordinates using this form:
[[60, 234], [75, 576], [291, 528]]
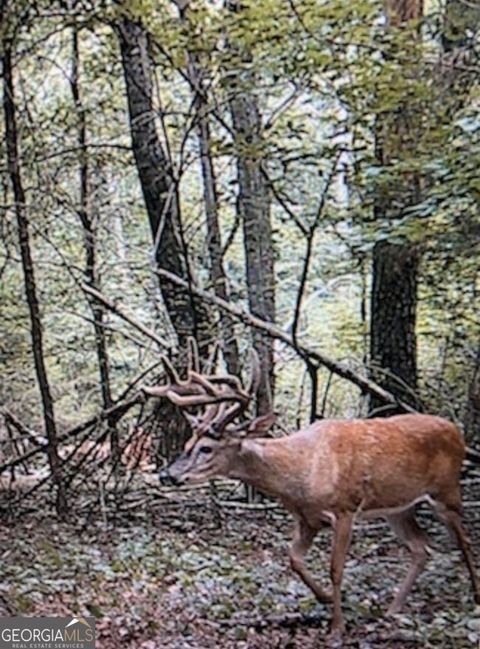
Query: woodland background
[[297, 176]]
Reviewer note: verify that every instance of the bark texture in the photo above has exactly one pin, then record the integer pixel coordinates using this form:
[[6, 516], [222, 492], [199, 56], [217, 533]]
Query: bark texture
[[159, 187], [393, 341], [253, 204], [402, 11], [254, 208]]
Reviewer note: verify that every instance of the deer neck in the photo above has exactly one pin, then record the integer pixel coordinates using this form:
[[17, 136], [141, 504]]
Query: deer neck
[[267, 465]]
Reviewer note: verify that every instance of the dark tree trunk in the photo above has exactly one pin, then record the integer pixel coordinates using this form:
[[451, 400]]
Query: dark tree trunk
[[253, 205], [159, 186], [90, 241], [395, 266], [14, 169], [392, 332]]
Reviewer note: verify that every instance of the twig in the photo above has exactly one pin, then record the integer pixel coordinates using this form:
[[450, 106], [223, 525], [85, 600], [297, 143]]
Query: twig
[[114, 308], [325, 395], [116, 411], [310, 236]]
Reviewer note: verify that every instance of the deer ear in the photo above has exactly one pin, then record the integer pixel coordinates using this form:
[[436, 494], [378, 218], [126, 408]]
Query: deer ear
[[260, 425]]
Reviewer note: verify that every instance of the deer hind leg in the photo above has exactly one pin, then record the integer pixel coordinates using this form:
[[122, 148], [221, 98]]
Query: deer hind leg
[[450, 515], [302, 540], [411, 534], [341, 543]]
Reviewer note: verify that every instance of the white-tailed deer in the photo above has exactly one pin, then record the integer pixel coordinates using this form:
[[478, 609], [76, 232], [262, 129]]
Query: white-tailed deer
[[330, 472]]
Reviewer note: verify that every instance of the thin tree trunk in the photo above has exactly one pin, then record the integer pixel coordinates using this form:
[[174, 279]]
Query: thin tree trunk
[[254, 209], [14, 169], [159, 187], [90, 237], [210, 197], [393, 303]]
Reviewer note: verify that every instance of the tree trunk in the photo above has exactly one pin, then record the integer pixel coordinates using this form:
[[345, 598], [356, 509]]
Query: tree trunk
[[253, 204], [214, 242], [90, 241], [210, 196], [395, 266], [14, 169], [159, 187], [392, 332]]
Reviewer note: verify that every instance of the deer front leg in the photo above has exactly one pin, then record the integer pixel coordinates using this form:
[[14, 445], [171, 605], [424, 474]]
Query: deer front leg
[[302, 540], [341, 542]]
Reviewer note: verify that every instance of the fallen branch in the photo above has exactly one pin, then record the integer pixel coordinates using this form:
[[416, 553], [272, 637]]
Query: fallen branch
[[366, 385], [115, 412], [20, 427]]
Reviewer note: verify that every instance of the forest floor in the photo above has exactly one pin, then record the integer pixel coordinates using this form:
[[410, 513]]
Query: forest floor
[[202, 579]]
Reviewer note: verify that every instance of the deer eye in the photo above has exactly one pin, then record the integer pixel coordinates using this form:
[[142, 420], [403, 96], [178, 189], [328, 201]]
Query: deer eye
[[205, 449]]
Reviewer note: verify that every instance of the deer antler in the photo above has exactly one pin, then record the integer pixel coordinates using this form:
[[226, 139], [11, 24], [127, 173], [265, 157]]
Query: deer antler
[[213, 391], [220, 423]]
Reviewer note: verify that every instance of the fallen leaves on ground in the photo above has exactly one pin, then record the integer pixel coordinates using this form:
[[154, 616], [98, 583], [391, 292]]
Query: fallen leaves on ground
[[155, 587]]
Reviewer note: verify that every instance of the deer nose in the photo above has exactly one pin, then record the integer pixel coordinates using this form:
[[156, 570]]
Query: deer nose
[[166, 478]]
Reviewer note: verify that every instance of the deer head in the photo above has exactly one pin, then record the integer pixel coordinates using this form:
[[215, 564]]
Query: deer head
[[211, 403]]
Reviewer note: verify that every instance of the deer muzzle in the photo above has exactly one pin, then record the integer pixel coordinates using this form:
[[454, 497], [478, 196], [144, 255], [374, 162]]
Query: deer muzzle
[[167, 479]]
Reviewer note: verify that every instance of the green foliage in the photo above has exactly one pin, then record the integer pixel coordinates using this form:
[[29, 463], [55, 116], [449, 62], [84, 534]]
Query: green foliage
[[327, 75]]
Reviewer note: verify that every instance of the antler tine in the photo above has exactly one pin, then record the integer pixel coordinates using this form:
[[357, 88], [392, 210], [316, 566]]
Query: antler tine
[[227, 417], [255, 375], [193, 355], [241, 396], [211, 414], [229, 379], [170, 371], [156, 390], [187, 401], [205, 382], [222, 397]]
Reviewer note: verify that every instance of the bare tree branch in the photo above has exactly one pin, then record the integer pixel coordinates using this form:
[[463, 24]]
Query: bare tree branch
[[121, 313]]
